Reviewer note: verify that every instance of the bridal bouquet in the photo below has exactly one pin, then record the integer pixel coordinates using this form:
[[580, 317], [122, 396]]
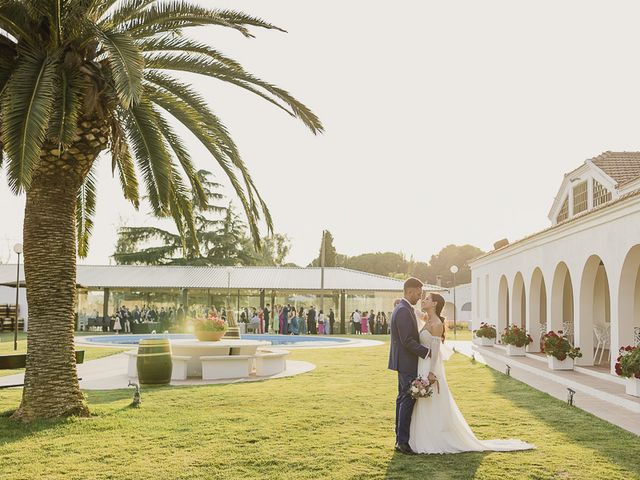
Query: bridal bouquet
[[421, 388]]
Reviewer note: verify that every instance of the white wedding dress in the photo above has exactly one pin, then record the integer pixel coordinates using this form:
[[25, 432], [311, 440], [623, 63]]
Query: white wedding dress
[[437, 426]]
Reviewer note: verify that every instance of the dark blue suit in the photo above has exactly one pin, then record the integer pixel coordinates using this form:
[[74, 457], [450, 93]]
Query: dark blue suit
[[403, 358]]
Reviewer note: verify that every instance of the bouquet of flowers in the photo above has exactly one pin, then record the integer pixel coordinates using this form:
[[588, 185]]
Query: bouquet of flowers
[[557, 345], [486, 330], [514, 335], [628, 363], [421, 388], [212, 323]]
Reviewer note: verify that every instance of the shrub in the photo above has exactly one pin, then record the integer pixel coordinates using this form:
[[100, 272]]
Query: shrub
[[628, 363], [557, 345], [514, 335], [212, 323], [486, 331]]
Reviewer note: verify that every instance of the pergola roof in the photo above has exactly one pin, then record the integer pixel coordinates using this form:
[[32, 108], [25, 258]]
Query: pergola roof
[[243, 278]]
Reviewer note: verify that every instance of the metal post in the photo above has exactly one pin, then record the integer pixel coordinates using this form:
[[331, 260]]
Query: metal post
[[15, 329], [322, 272], [105, 307], [343, 313], [455, 327]]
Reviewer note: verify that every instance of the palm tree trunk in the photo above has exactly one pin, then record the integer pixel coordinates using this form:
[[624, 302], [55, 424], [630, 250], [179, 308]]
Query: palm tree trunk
[[51, 381]]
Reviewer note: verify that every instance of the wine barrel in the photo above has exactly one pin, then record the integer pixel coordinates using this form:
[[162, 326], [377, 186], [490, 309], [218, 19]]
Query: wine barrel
[[154, 362]]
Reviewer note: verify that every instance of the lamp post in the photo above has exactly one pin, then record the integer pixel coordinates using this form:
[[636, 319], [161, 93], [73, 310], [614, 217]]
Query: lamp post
[[454, 270], [18, 249]]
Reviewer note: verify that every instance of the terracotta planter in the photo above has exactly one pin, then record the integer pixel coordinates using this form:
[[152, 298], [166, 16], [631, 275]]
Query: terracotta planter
[[205, 336], [514, 351], [555, 364], [633, 386], [485, 342]]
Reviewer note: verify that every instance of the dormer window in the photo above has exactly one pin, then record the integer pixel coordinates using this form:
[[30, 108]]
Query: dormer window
[[580, 200], [600, 194], [563, 214]]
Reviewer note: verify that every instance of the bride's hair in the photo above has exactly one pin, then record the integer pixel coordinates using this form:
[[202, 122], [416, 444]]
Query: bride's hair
[[439, 299]]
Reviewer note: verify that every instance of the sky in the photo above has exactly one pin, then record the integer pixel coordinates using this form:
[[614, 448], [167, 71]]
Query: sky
[[446, 122]]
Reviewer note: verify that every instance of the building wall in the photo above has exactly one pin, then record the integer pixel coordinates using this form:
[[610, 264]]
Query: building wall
[[8, 295], [599, 253]]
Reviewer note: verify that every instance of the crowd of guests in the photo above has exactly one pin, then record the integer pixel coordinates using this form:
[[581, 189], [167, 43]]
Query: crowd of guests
[[288, 320], [281, 319], [123, 318], [369, 323]]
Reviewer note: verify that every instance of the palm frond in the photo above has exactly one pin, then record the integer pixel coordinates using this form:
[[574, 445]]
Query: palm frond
[[171, 43], [15, 19], [27, 105], [85, 212], [187, 63], [197, 125], [122, 161], [67, 108], [126, 63], [171, 16], [182, 154], [151, 153]]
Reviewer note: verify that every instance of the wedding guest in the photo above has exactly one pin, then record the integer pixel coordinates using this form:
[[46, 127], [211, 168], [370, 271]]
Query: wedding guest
[[311, 321], [332, 321], [116, 324], [320, 322], [261, 320], [371, 322], [302, 322], [275, 325], [385, 326], [284, 330], [266, 314], [357, 322], [295, 325], [364, 323]]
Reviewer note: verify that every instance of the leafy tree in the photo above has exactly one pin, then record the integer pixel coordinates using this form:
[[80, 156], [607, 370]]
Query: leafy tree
[[330, 253], [379, 263], [78, 77], [440, 264], [274, 251]]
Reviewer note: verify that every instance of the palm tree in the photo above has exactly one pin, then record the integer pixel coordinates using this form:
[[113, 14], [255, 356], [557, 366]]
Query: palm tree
[[79, 77]]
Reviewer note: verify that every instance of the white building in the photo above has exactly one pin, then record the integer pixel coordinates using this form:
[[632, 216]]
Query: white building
[[579, 275], [462, 301]]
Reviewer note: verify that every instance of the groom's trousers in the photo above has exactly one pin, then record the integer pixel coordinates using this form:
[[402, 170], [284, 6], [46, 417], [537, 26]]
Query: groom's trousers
[[404, 407]]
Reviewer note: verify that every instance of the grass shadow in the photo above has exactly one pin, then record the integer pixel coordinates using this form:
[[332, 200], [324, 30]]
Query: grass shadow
[[578, 426], [435, 467]]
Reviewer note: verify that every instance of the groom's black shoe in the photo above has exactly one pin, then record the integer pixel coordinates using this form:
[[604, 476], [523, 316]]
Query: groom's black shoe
[[405, 448]]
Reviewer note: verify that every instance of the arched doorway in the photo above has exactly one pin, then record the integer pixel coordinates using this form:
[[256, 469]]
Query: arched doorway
[[519, 304], [562, 301], [503, 305], [628, 302], [537, 319], [595, 307]]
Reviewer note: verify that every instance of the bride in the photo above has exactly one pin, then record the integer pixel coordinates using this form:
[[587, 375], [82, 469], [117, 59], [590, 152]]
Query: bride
[[437, 426]]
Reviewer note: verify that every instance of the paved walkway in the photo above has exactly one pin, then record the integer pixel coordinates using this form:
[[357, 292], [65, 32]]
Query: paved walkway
[[595, 393], [109, 373]]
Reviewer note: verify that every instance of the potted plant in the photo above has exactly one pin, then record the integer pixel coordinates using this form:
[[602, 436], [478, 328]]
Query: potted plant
[[628, 366], [485, 335], [516, 339], [210, 329], [560, 352]]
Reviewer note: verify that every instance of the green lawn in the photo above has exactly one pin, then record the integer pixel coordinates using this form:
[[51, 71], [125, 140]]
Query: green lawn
[[90, 353], [335, 422]]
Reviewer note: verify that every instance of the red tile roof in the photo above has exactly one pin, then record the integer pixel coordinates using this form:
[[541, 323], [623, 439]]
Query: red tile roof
[[623, 167]]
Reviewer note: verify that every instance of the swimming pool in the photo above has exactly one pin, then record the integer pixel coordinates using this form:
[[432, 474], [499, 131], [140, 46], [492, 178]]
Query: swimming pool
[[289, 340]]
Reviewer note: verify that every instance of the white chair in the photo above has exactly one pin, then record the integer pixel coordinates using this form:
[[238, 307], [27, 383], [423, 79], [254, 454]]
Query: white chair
[[567, 330], [603, 340]]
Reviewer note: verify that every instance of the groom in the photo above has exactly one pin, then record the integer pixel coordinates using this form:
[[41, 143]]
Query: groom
[[403, 358]]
